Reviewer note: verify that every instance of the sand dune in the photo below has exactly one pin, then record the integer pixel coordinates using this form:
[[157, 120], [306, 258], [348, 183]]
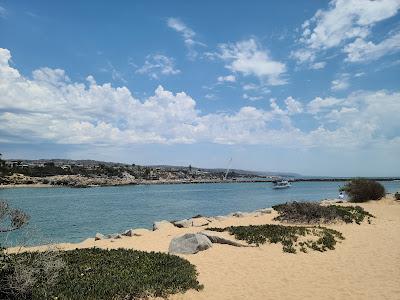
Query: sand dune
[[366, 265]]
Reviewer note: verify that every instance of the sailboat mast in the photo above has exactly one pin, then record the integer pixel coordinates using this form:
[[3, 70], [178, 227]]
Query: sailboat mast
[[227, 170]]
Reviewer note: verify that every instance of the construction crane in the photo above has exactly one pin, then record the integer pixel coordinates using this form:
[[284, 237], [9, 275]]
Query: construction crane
[[227, 170]]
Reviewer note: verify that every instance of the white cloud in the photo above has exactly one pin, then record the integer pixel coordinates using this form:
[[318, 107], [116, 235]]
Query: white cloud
[[341, 83], [343, 21], [188, 35], [228, 78], [360, 50], [156, 65], [318, 65], [248, 58], [251, 98], [50, 107], [319, 104], [210, 96], [293, 106]]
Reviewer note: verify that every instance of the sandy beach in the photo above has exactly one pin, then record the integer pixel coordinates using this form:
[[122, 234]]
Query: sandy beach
[[366, 265]]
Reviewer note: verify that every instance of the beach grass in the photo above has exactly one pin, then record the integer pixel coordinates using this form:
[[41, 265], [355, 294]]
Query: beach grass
[[314, 213], [292, 238]]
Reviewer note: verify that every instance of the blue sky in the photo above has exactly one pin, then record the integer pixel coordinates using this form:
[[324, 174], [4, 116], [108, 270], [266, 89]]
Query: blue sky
[[303, 86]]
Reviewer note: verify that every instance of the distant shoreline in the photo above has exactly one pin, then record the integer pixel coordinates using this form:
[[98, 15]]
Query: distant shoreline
[[160, 182]]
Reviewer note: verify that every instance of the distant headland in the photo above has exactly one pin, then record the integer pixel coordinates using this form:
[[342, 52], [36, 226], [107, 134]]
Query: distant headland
[[90, 173]]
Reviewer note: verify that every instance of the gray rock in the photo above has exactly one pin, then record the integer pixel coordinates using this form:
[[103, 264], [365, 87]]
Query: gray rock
[[114, 236], [185, 223], [220, 218], [217, 238], [135, 232], [238, 214], [129, 232], [159, 224], [189, 243], [264, 211], [99, 236]]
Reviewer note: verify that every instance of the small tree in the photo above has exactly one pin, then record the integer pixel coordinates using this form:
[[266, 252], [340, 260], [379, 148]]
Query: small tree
[[21, 273], [10, 218], [362, 190]]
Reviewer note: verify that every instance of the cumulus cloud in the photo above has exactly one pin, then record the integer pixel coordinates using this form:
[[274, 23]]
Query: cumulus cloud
[[293, 106], [156, 65], [249, 58], [360, 50], [188, 36], [343, 21], [50, 107]]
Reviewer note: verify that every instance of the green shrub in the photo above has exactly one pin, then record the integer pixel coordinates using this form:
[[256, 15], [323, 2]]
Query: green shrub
[[362, 190], [119, 274], [292, 238], [312, 213], [22, 275], [397, 196]]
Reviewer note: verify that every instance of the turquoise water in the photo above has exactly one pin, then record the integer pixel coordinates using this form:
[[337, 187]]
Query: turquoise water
[[71, 215]]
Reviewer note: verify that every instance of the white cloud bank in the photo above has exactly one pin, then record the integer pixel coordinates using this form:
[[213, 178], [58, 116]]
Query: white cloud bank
[[346, 21], [49, 107]]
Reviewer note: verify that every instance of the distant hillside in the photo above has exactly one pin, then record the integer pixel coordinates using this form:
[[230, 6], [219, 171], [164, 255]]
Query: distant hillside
[[237, 171], [89, 163]]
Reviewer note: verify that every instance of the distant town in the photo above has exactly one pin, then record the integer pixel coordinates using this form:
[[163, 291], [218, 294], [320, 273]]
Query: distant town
[[91, 173]]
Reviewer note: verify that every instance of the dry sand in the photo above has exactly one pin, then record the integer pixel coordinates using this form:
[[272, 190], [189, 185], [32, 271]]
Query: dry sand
[[366, 265]]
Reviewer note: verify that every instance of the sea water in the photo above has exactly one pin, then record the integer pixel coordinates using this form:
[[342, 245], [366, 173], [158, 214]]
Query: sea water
[[72, 215]]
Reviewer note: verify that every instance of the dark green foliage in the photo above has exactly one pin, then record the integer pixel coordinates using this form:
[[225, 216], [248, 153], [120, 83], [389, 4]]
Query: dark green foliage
[[362, 190], [309, 212], [397, 196], [291, 237], [119, 274]]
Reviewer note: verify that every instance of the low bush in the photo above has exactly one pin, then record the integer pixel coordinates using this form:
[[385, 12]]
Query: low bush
[[117, 274], [292, 238], [22, 275], [397, 196], [362, 190], [313, 213]]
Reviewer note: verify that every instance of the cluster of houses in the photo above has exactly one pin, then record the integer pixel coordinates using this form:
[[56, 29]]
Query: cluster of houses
[[149, 173]]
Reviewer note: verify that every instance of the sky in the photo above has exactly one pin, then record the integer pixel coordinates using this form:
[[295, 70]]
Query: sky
[[311, 87]]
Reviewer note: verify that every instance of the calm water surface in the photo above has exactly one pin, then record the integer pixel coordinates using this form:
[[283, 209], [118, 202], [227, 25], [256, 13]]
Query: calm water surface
[[71, 215]]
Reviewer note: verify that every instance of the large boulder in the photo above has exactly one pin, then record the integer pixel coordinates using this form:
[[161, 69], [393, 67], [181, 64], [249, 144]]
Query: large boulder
[[189, 243], [162, 224]]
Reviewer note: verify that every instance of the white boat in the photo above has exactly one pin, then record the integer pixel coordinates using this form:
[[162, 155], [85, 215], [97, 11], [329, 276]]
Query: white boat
[[281, 184]]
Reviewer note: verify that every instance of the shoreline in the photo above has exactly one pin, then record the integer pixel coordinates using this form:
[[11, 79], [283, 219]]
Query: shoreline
[[177, 182]]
